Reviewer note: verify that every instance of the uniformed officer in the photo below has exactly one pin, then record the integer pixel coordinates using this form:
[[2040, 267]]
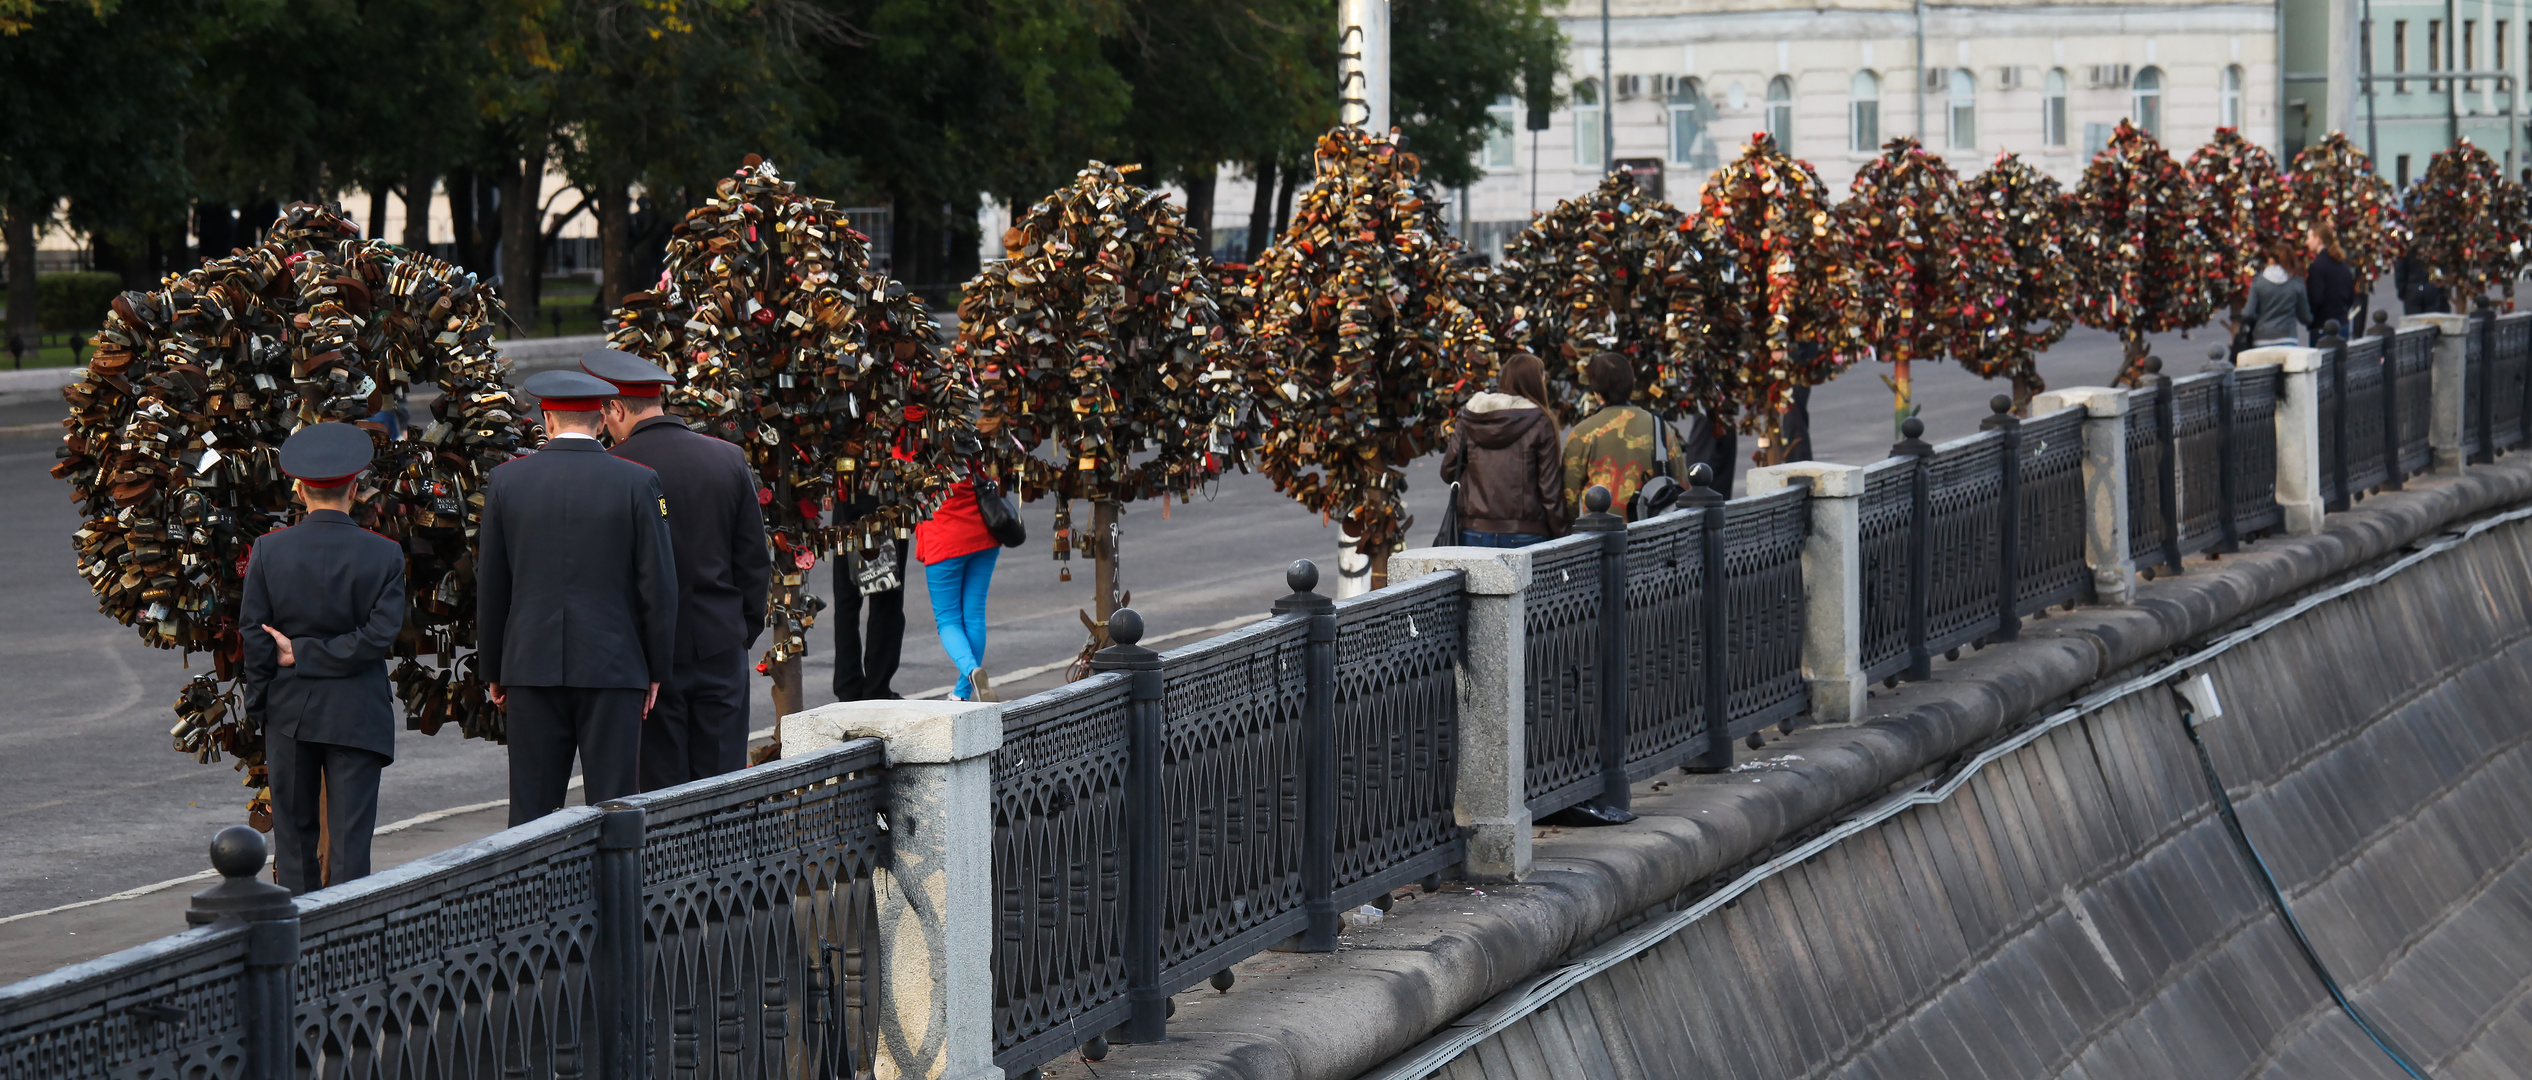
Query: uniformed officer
[[699, 727], [324, 602], [576, 611]]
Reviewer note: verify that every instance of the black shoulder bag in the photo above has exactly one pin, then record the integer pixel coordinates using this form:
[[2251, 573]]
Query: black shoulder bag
[[1002, 517]]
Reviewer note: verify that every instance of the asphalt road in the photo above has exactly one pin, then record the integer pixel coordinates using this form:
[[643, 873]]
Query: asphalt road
[[97, 803]]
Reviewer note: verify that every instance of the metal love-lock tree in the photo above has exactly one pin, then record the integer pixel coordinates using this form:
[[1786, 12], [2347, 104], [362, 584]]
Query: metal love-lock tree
[[1784, 314], [832, 377], [1100, 360], [2021, 204], [2466, 224], [2142, 259], [1582, 280], [173, 440], [2248, 209], [1932, 276], [2334, 184], [1367, 336]]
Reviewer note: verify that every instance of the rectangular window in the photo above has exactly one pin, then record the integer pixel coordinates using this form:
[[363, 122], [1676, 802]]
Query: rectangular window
[[2097, 138], [1686, 130], [1586, 135], [2435, 54], [2400, 54], [2400, 173], [2053, 120], [1499, 138], [2469, 56], [1867, 126], [1964, 125]]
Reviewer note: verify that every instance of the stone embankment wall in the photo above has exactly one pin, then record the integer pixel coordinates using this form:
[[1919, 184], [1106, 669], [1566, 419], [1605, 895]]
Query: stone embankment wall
[[2074, 908]]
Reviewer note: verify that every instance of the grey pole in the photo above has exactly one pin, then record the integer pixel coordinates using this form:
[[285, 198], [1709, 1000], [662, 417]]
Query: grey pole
[[1608, 99]]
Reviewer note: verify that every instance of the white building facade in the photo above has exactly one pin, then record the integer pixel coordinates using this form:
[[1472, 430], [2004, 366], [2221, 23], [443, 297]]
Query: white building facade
[[1691, 82]]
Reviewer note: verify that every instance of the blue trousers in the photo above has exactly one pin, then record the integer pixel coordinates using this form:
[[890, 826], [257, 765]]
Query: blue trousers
[[958, 589], [1473, 538]]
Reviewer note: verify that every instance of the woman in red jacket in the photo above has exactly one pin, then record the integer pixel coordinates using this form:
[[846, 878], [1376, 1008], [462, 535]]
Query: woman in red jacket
[[957, 554]]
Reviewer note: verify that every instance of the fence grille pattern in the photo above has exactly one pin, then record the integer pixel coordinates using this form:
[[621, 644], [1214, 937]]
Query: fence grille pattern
[[1058, 867], [92, 1021], [1965, 486], [1563, 678], [2512, 338], [2050, 535], [1665, 636], [2357, 388], [1762, 558], [2475, 358], [476, 960], [1397, 737], [1886, 511], [757, 910], [2197, 442], [2413, 355], [1232, 739], [2145, 463], [2254, 464]]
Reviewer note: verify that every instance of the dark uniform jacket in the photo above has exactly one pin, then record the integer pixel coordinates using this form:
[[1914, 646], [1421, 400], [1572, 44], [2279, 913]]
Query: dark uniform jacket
[[720, 534], [576, 583], [337, 590]]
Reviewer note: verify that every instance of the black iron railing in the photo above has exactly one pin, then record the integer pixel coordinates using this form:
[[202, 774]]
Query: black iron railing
[[2049, 566], [2410, 399], [710, 930], [1059, 868], [1562, 635], [2202, 458], [2510, 372], [1887, 547], [2251, 460]]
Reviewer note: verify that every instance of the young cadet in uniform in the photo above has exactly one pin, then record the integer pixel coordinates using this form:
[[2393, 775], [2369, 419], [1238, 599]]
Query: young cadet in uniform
[[324, 602], [699, 727], [576, 602]]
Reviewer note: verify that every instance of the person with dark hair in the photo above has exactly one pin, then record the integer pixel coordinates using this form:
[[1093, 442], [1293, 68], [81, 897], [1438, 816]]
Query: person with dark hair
[[1620, 446], [2328, 282], [1506, 458]]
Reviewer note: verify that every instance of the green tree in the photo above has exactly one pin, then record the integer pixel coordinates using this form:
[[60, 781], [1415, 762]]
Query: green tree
[[1450, 60]]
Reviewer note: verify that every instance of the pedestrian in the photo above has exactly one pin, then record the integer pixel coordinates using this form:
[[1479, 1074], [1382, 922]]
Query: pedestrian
[[1619, 446], [957, 553], [17, 349], [717, 530], [2418, 292], [323, 604], [576, 603], [866, 660], [2279, 308], [1508, 462], [2329, 283]]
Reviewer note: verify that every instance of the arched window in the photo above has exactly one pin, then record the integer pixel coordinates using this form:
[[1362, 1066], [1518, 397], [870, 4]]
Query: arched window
[[2053, 108], [1780, 112], [1587, 118], [2229, 98], [1863, 113], [2147, 111], [1964, 111], [1689, 142]]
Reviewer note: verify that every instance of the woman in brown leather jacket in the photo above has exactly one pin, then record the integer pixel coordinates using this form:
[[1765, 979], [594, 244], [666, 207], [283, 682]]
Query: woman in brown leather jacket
[[1508, 461]]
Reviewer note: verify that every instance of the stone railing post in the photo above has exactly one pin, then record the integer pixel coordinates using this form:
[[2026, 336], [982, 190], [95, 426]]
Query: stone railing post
[[1493, 796], [2449, 380], [2298, 422], [934, 889], [2105, 485], [1832, 583]]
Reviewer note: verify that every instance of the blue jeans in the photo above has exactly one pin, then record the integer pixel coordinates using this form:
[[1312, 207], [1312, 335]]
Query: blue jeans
[[958, 610], [1473, 538]]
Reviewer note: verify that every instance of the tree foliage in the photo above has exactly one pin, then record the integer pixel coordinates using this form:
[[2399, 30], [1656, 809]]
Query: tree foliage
[[2467, 223], [1582, 280], [2335, 184], [1933, 278], [1783, 318], [2142, 262]]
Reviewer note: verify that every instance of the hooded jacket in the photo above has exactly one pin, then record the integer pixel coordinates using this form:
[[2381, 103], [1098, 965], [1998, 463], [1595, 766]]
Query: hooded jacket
[[1505, 456]]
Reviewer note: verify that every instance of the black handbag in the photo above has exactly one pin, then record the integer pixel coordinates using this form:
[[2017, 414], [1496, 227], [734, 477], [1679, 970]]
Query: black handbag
[[1002, 517], [1449, 534]]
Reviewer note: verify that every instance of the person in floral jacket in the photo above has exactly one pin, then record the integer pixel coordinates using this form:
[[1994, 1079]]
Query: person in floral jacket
[[1620, 446]]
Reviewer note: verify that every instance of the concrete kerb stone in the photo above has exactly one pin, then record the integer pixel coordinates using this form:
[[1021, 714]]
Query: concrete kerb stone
[[934, 889], [1492, 799], [1330, 1016]]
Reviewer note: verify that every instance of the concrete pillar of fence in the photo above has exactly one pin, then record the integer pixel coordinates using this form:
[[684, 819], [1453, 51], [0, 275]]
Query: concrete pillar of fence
[[1832, 584], [2105, 485], [1493, 800], [2450, 383], [2298, 422], [934, 888]]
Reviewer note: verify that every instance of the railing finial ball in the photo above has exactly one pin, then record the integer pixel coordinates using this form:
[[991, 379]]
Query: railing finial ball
[[2000, 404], [2154, 364], [1125, 626], [2381, 317], [2331, 327], [238, 851], [1700, 475], [2215, 352], [1596, 499], [1302, 576], [1911, 428]]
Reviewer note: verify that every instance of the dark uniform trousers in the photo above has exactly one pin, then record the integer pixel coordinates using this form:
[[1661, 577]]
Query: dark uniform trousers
[[576, 615], [350, 778], [866, 664], [699, 727]]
